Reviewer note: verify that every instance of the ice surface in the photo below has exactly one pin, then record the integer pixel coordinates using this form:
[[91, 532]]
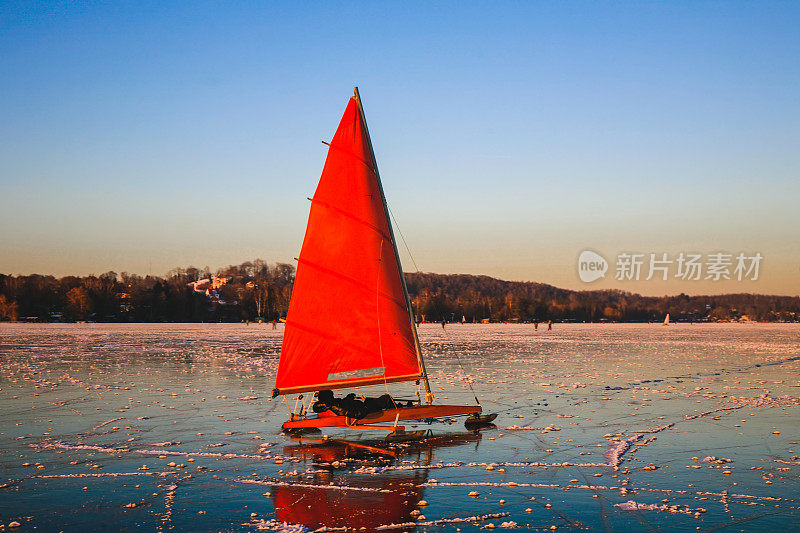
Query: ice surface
[[614, 426]]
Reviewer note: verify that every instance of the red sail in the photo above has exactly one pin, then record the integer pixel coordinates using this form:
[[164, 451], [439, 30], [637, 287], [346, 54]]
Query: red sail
[[348, 324]]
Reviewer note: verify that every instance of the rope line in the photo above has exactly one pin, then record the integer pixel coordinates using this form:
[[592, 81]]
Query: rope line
[[416, 269], [378, 315], [463, 371], [402, 237]]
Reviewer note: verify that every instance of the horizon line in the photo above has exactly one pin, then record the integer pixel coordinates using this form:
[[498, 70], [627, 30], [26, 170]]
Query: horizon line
[[587, 290]]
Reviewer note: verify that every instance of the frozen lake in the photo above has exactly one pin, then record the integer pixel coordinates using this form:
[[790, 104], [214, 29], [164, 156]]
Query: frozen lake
[[611, 427]]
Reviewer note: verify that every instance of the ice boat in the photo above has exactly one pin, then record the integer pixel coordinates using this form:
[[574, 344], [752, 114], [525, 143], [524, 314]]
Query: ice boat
[[350, 322]]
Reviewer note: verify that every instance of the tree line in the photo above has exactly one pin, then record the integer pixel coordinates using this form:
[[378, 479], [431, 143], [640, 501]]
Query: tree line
[[260, 290], [250, 290], [454, 297]]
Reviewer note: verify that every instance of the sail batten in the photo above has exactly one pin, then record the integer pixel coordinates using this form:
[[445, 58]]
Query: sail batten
[[355, 282], [353, 217], [326, 337], [349, 314], [353, 155]]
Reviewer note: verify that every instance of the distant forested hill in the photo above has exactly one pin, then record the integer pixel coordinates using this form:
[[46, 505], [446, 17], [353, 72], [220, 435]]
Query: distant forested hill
[[260, 289], [453, 296]]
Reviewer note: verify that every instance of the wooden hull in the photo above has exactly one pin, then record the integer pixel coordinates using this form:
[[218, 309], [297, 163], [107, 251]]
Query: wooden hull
[[416, 412]]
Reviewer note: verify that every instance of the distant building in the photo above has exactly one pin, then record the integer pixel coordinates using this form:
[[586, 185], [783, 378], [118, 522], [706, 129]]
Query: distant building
[[125, 303], [216, 283], [201, 285], [206, 284]]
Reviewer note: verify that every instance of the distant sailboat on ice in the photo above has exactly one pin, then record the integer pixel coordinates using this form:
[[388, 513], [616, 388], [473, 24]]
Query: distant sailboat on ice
[[666, 320]]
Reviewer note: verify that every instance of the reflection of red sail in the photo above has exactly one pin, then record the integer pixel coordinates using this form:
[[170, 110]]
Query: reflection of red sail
[[391, 498], [327, 453], [348, 323], [322, 506]]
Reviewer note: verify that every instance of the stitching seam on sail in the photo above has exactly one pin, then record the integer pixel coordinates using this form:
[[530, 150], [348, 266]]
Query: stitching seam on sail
[[350, 216], [327, 337], [351, 154], [354, 281]]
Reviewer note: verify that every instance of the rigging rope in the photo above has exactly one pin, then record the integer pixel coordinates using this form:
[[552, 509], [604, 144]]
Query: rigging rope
[[402, 237], [469, 383], [416, 268], [378, 314]]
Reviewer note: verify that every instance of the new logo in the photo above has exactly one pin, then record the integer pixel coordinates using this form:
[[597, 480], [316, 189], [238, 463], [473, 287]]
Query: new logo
[[591, 266]]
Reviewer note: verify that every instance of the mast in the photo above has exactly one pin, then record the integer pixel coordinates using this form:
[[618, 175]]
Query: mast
[[428, 393]]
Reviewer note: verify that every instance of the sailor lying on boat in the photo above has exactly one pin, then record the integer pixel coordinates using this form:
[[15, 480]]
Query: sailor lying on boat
[[353, 406]]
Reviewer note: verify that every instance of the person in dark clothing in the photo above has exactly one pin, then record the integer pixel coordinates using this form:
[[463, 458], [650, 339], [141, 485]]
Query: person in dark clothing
[[324, 401], [378, 404], [351, 406]]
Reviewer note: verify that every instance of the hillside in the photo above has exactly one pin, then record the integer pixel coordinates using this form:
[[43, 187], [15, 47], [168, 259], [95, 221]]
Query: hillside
[[258, 289]]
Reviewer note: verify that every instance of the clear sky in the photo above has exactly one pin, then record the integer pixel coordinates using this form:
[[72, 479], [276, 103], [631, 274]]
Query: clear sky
[[140, 136]]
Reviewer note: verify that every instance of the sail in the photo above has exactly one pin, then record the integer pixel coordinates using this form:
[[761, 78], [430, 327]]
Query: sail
[[348, 323], [666, 320]]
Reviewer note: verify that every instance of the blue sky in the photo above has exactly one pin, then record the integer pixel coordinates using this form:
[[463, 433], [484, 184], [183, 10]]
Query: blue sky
[[139, 136]]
